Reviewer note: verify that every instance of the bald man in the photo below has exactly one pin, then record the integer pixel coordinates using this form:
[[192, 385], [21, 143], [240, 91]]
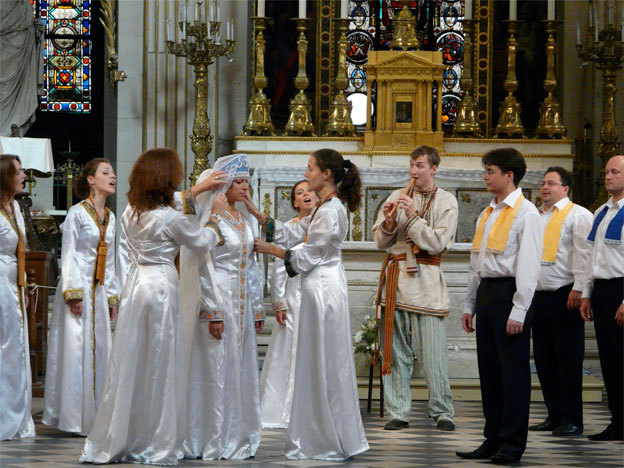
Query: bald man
[[603, 297]]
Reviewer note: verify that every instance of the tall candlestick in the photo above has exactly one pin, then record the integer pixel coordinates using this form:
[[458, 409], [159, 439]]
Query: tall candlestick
[[344, 8], [261, 10], [513, 9], [302, 8], [468, 9], [551, 10]]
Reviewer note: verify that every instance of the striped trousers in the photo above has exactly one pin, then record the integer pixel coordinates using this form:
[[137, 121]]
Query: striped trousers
[[421, 337]]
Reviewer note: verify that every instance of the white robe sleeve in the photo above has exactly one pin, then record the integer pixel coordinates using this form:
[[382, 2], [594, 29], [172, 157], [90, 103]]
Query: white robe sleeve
[[286, 234], [72, 282], [110, 279]]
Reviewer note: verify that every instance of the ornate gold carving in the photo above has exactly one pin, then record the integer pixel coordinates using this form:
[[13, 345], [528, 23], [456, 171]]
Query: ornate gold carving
[[285, 194], [266, 204], [509, 122], [404, 37], [200, 47], [325, 59], [551, 121], [466, 123], [356, 230], [107, 18], [259, 120], [300, 120], [340, 123]]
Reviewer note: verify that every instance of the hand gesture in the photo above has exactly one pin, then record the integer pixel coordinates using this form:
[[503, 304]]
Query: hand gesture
[[390, 215], [215, 180], [280, 316], [75, 307], [514, 327], [261, 246], [574, 300], [586, 310], [259, 326], [219, 205], [467, 323], [406, 203], [253, 210], [216, 329]]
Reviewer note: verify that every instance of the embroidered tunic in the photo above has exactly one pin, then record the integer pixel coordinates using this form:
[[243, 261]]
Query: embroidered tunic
[[15, 378], [79, 347]]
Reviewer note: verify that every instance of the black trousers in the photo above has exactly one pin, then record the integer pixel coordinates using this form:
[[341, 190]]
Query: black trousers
[[558, 350], [606, 298], [503, 367]]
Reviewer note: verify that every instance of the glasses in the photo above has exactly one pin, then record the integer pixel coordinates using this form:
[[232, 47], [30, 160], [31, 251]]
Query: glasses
[[549, 183], [490, 173]]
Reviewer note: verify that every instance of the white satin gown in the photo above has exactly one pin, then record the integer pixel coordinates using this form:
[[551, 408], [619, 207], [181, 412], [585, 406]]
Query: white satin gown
[[142, 415], [224, 395], [278, 372], [15, 379], [325, 420], [79, 347]]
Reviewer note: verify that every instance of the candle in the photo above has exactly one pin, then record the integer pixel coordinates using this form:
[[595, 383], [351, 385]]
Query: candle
[[197, 10], [302, 8], [169, 35], [610, 12], [209, 29], [69, 150], [185, 11], [597, 28], [344, 8], [217, 10], [180, 11], [468, 9], [551, 10], [513, 8], [591, 13], [578, 33], [600, 7], [232, 26], [261, 12]]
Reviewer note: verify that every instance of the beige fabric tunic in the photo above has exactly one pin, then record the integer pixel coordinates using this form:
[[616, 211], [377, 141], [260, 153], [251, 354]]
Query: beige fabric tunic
[[423, 292]]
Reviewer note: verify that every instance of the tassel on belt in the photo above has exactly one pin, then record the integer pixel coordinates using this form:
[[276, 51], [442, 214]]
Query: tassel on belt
[[390, 273]]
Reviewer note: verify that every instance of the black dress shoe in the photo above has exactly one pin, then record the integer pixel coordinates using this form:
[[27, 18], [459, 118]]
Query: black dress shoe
[[505, 458], [396, 425], [567, 430], [482, 453], [445, 425], [546, 425], [610, 433]]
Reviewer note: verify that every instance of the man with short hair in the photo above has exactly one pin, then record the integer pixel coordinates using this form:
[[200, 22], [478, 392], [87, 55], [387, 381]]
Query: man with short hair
[[415, 227], [558, 330], [605, 287], [504, 267]]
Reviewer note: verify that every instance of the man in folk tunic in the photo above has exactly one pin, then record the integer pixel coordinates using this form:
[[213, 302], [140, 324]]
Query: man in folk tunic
[[415, 226]]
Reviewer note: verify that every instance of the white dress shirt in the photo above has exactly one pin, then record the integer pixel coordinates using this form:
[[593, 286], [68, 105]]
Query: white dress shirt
[[521, 258], [607, 259], [573, 251]]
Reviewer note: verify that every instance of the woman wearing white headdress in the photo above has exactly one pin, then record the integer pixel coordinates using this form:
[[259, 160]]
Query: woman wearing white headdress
[[325, 421], [223, 387], [278, 372]]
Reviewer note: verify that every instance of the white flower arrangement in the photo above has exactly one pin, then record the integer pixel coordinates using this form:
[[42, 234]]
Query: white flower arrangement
[[366, 339]]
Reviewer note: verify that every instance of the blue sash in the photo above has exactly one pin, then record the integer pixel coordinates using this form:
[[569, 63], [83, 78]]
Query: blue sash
[[614, 230]]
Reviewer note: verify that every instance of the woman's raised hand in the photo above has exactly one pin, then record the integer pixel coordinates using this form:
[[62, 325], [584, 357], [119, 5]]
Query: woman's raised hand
[[219, 205], [255, 212], [213, 181]]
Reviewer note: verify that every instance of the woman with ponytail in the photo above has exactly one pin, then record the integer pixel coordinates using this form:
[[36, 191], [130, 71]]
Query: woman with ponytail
[[15, 398], [325, 421], [85, 302]]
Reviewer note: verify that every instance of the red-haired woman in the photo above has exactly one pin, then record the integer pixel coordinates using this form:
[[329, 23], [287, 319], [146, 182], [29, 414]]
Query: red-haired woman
[[15, 397], [86, 301], [142, 415]]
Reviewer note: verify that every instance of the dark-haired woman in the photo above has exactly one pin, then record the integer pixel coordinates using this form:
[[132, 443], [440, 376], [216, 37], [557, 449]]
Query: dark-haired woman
[[86, 300], [15, 397], [278, 371], [325, 421], [142, 415]]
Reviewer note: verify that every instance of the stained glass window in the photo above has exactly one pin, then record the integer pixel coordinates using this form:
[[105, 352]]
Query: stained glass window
[[437, 28], [66, 55]]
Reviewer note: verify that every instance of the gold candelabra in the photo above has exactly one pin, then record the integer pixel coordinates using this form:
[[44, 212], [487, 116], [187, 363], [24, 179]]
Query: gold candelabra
[[68, 169], [509, 122], [201, 45], [550, 122], [259, 120], [466, 123], [300, 120], [606, 50], [340, 123], [404, 36]]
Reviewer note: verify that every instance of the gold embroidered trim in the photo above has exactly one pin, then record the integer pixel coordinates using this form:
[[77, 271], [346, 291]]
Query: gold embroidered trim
[[71, 294], [188, 202], [280, 304], [210, 316], [217, 231], [113, 301]]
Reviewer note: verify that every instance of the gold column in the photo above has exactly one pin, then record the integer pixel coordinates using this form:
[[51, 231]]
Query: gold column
[[300, 121], [550, 122], [466, 123], [404, 36], [340, 123], [607, 52], [509, 122], [259, 120]]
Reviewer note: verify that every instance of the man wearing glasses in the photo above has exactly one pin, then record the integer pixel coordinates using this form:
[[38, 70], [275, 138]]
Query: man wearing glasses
[[558, 329]]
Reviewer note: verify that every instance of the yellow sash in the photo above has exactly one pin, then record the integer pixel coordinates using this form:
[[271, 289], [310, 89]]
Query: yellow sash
[[552, 234], [497, 238]]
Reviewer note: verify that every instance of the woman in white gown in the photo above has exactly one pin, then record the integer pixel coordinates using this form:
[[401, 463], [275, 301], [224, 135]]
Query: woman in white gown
[[80, 339], [325, 420], [278, 372], [223, 394], [142, 414], [15, 381]]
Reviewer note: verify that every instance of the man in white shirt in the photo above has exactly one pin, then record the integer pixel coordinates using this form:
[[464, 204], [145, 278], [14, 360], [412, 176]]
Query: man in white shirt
[[605, 287], [558, 330], [504, 268]]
